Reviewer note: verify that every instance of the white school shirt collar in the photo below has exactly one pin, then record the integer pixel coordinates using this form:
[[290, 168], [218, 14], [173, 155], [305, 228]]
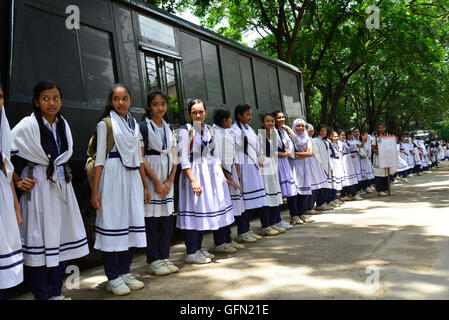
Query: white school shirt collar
[[52, 127]]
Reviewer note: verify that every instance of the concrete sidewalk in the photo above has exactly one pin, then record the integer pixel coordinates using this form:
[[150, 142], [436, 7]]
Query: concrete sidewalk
[[403, 241]]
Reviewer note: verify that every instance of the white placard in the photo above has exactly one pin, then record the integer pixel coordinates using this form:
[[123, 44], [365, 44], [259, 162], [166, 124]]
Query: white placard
[[388, 152]]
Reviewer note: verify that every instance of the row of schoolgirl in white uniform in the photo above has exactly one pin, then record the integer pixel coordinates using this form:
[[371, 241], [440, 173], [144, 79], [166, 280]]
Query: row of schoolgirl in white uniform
[[228, 174]]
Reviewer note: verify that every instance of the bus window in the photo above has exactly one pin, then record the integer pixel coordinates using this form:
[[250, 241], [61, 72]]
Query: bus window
[[163, 73]]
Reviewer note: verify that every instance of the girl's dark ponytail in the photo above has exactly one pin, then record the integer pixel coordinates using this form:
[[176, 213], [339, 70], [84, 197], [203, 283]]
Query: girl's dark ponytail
[[45, 143]]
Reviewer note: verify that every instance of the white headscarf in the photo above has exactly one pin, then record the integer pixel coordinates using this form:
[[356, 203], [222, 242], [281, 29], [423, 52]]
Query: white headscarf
[[27, 139], [5, 143], [302, 139], [155, 141], [5, 134], [127, 140], [224, 147]]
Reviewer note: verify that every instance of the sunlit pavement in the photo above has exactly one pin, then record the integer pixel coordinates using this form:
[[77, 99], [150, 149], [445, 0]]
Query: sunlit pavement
[[380, 248]]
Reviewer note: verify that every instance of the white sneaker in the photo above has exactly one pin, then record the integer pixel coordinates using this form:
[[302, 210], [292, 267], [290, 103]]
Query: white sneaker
[[132, 282], [382, 193], [170, 266], [269, 232], [197, 258], [306, 219], [61, 297], [246, 237], [295, 221], [411, 175], [159, 268], [333, 204], [284, 224], [224, 248], [358, 197], [277, 228], [362, 192], [345, 198], [255, 236], [118, 287], [206, 253], [236, 245], [405, 180]]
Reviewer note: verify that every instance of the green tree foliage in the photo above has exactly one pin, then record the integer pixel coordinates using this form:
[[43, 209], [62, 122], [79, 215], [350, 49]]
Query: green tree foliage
[[353, 76]]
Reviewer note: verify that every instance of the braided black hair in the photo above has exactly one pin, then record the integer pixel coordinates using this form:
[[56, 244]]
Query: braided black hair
[[60, 127]]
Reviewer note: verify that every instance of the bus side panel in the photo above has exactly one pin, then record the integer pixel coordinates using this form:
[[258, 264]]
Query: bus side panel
[[5, 18]]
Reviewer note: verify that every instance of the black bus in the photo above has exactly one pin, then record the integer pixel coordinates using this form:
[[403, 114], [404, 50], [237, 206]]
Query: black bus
[[130, 42]]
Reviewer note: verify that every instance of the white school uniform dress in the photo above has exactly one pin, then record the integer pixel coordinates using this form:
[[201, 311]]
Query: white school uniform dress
[[410, 157], [159, 155], [323, 154], [286, 177], [301, 170], [440, 153], [269, 167], [213, 209], [379, 172], [254, 195], [226, 151], [11, 256], [350, 175], [446, 152], [366, 166], [416, 154], [354, 150], [425, 159], [53, 229], [338, 175], [318, 177], [120, 224], [403, 164]]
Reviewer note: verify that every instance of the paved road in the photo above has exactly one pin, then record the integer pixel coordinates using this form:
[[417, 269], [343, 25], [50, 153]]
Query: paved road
[[404, 239]]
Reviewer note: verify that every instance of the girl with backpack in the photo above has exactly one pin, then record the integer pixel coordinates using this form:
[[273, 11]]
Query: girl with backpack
[[159, 156], [120, 191], [52, 230], [204, 199]]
